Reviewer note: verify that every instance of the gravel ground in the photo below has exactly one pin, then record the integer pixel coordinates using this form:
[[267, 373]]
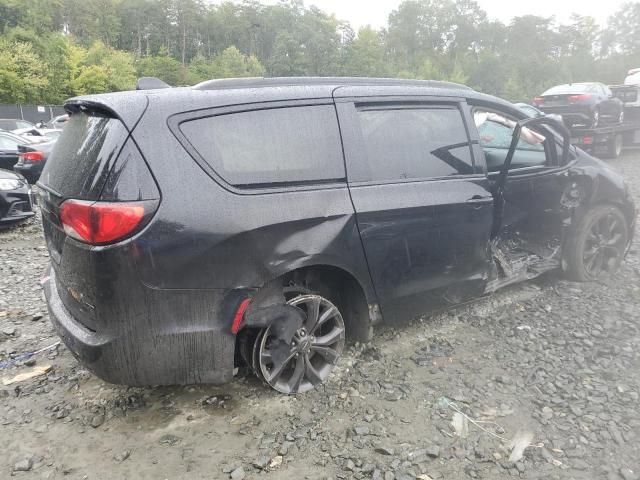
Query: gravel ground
[[549, 365]]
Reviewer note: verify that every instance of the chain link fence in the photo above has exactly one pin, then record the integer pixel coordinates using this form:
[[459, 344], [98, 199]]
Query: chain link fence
[[31, 113]]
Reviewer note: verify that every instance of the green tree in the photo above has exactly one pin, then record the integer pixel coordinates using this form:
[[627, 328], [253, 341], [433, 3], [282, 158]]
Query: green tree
[[622, 34], [117, 64], [365, 56], [164, 67], [21, 75], [232, 63]]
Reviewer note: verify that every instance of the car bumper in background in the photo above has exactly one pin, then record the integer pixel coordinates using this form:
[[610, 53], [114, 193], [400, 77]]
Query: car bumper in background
[[30, 171], [570, 113], [16, 206]]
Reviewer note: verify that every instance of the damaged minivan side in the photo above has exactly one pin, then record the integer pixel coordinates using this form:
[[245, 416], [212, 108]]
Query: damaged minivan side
[[266, 222]]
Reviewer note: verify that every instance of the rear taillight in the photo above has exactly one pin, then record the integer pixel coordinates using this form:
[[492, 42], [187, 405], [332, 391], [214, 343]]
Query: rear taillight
[[99, 223], [587, 140], [578, 98], [538, 101], [32, 156]]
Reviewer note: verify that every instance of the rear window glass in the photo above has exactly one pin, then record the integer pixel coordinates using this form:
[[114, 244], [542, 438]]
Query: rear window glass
[[408, 143], [573, 88], [280, 145], [83, 155]]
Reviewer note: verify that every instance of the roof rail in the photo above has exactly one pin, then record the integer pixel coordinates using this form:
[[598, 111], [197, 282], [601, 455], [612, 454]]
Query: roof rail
[[151, 83], [256, 82]]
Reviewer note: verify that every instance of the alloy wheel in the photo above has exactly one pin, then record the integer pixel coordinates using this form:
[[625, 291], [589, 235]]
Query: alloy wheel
[[604, 246], [312, 353]]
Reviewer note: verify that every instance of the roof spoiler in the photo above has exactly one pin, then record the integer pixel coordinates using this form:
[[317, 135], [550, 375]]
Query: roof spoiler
[[151, 83]]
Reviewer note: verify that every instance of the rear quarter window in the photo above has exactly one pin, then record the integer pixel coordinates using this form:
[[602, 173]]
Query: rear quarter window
[[269, 147]]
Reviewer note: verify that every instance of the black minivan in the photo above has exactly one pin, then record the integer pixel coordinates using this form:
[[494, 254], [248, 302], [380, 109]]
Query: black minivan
[[264, 222]]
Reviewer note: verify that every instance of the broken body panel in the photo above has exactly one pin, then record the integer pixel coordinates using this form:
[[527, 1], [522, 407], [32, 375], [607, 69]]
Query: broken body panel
[[157, 308]]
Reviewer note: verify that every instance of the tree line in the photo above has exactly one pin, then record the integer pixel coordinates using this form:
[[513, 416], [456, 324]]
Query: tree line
[[54, 49]]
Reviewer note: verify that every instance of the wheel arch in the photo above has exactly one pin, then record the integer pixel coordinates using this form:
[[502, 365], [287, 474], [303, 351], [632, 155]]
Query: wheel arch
[[358, 306], [360, 311]]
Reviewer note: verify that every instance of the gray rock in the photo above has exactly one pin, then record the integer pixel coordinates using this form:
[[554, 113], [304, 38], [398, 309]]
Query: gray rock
[[97, 420], [122, 456], [237, 474], [169, 439], [350, 465], [361, 430], [547, 413], [417, 456], [9, 331], [284, 448], [23, 465], [383, 450], [261, 462], [628, 474], [433, 451]]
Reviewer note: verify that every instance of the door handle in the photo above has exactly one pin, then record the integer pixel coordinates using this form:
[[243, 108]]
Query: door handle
[[480, 199]]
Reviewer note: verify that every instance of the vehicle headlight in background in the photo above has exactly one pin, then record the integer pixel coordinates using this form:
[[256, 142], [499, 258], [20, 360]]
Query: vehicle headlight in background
[[10, 184]]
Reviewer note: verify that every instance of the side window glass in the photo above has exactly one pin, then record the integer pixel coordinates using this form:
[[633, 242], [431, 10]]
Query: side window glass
[[270, 146], [415, 143], [496, 131]]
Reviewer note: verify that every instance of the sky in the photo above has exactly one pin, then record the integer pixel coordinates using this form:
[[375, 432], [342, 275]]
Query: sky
[[376, 12]]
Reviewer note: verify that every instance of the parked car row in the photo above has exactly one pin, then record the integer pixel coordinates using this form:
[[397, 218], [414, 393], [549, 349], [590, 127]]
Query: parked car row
[[24, 148]]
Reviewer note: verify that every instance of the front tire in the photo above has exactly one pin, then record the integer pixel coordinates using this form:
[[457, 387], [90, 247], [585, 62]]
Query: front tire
[[596, 247]]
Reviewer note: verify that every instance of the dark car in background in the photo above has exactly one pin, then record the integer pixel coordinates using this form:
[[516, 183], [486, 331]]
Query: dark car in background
[[16, 199], [32, 159], [263, 222], [9, 152], [589, 104]]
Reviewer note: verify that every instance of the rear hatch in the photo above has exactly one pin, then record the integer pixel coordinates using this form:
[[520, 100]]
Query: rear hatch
[[94, 163], [78, 168]]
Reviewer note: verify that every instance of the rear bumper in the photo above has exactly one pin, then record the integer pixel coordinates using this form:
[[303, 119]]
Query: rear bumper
[[148, 348], [29, 171], [571, 113]]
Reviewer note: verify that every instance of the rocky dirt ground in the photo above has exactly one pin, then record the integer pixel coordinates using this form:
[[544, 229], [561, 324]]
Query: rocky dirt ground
[[551, 364]]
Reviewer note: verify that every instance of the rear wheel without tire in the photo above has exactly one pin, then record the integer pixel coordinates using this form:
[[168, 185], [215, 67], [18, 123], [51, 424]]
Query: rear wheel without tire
[[312, 353], [596, 247]]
